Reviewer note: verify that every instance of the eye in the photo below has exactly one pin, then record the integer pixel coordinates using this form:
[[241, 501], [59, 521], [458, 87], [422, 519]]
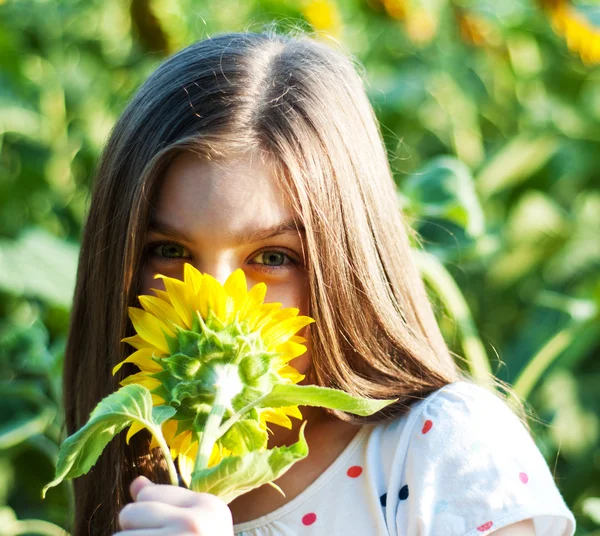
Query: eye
[[273, 259], [167, 250]]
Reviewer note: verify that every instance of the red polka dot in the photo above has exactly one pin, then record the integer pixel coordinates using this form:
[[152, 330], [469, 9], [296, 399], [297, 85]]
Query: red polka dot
[[524, 478], [354, 471], [309, 519], [485, 526], [426, 426]]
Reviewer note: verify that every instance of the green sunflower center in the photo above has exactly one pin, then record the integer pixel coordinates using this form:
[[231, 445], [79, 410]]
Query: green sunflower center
[[214, 356]]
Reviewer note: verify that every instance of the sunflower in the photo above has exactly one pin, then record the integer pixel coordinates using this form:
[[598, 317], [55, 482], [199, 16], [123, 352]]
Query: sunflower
[[196, 327]]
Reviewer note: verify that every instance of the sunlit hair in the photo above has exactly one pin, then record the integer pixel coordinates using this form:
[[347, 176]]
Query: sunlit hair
[[301, 106]]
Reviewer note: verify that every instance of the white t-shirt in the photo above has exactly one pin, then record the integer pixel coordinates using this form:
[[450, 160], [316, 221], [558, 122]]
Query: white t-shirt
[[459, 463]]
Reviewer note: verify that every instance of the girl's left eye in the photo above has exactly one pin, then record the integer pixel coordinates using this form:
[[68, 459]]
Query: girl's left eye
[[273, 259]]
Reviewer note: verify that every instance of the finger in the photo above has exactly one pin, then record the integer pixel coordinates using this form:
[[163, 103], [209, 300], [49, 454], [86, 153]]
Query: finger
[[144, 532], [137, 485], [148, 515], [172, 495]]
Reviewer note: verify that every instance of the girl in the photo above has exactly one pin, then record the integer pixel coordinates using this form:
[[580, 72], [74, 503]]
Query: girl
[[262, 152]]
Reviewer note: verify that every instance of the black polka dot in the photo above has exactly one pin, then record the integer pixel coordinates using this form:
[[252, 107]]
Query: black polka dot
[[403, 493], [383, 499]]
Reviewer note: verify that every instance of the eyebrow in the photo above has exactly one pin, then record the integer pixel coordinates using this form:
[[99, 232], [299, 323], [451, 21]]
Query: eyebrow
[[242, 239]]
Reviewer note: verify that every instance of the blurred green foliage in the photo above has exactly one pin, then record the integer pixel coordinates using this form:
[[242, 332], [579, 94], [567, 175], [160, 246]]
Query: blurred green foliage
[[493, 129]]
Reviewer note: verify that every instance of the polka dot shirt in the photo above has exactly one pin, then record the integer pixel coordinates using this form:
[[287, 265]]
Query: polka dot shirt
[[459, 463]]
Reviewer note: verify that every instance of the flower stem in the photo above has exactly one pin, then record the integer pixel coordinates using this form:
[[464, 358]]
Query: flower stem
[[239, 414], [167, 454], [210, 433]]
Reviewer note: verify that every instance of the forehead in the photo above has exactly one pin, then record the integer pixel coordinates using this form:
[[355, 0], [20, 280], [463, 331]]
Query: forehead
[[232, 195]]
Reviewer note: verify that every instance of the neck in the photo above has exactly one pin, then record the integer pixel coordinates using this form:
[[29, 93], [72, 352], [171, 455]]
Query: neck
[[316, 418]]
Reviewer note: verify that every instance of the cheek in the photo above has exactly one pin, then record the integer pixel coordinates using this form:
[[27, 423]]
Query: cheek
[[148, 282], [293, 292], [302, 362]]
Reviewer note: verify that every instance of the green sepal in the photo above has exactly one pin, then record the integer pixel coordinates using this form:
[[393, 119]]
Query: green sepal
[[132, 403], [182, 366], [254, 366], [199, 422], [235, 475], [189, 342], [245, 436], [167, 384], [186, 425], [247, 396], [201, 392]]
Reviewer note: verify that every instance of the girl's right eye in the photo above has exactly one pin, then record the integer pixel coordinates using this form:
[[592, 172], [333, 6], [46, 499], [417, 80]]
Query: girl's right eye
[[167, 251]]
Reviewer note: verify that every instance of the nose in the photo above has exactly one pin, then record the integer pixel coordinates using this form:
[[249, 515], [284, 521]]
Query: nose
[[219, 268]]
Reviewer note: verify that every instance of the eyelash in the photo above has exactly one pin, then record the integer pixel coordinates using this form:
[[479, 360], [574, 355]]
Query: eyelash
[[152, 246]]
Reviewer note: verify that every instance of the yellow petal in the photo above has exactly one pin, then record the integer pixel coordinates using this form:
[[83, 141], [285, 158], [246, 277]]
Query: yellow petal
[[141, 378], [277, 317], [290, 373], [281, 332], [289, 350], [193, 278], [189, 447], [215, 456], [276, 416], [168, 430], [254, 299], [143, 359], [181, 297], [262, 316], [163, 295], [237, 291], [133, 429], [157, 400], [161, 309], [215, 297], [186, 466], [292, 411], [181, 443], [137, 342], [150, 328]]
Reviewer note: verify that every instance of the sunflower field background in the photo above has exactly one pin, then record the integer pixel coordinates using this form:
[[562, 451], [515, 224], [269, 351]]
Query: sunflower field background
[[491, 115]]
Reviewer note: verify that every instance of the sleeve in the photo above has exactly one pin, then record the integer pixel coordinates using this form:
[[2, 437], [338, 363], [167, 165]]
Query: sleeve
[[471, 468]]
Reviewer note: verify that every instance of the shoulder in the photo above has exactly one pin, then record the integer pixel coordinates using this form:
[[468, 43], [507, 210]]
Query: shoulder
[[455, 414], [464, 412], [466, 464]]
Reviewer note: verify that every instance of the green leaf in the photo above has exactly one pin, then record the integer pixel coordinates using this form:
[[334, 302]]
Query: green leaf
[[285, 394], [591, 508], [445, 189], [39, 264], [236, 475], [130, 404], [245, 436], [24, 412], [516, 162]]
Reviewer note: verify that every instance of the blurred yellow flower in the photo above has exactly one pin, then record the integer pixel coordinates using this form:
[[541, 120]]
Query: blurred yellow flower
[[581, 35], [323, 15]]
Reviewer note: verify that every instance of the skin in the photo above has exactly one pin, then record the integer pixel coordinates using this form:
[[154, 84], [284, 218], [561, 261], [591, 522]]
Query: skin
[[204, 210]]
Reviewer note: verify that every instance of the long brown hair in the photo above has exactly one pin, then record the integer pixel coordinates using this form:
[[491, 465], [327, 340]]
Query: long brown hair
[[302, 105]]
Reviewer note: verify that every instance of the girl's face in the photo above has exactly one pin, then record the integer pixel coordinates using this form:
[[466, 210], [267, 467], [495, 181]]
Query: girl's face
[[220, 217]]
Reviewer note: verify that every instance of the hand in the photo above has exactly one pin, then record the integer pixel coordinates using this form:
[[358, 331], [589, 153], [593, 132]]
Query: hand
[[169, 510]]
